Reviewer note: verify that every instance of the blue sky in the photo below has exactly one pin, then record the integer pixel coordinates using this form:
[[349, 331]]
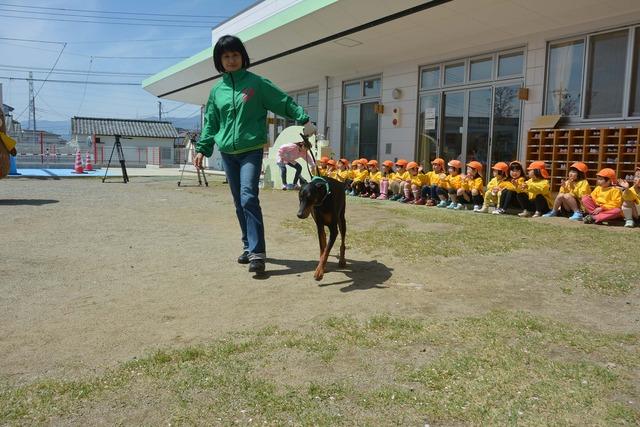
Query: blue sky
[[61, 101]]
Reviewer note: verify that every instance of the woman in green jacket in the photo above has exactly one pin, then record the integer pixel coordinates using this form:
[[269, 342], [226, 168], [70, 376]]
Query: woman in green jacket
[[236, 120]]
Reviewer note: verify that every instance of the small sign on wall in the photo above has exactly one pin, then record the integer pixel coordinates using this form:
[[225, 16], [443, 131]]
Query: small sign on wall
[[429, 118]]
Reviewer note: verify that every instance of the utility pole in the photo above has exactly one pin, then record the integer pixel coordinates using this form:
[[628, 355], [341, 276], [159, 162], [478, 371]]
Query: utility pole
[[32, 107], [160, 110]]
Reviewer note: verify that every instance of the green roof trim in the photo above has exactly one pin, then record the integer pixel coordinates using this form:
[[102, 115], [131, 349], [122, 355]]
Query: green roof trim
[[281, 18]]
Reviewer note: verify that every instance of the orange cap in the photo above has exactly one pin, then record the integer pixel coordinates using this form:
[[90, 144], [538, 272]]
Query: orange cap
[[438, 161], [372, 163], [388, 163], [608, 173], [345, 161], [475, 165], [581, 167], [412, 165], [363, 161], [331, 162], [324, 159], [455, 164], [355, 163], [539, 164], [501, 166], [401, 162]]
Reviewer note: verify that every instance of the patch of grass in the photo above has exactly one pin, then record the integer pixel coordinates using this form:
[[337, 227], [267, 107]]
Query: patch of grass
[[606, 279], [500, 368]]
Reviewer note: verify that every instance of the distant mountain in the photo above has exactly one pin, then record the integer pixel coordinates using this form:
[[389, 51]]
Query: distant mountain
[[63, 128]]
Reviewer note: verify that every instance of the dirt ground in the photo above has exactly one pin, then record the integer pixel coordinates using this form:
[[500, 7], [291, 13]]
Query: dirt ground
[[95, 274]]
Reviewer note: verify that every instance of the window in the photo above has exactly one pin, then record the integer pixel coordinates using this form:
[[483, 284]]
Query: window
[[564, 79], [431, 78], [481, 69], [510, 64], [372, 87], [635, 83], [606, 73], [352, 90], [454, 74]]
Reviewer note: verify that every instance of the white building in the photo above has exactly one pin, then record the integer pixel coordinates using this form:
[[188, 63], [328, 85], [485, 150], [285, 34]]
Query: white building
[[144, 142], [451, 70]]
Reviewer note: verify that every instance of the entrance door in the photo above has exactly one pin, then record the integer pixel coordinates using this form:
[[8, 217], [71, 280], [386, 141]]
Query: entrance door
[[452, 126], [506, 124], [360, 131], [478, 126]]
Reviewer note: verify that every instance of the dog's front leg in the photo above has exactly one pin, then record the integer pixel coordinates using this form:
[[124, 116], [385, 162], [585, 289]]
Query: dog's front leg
[[322, 238], [333, 234]]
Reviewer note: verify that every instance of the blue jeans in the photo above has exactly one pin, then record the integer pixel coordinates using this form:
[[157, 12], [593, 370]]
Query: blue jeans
[[243, 173], [283, 172]]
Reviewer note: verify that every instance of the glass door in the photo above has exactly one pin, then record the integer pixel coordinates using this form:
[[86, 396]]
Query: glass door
[[478, 126], [506, 124], [428, 128], [360, 131], [453, 126]]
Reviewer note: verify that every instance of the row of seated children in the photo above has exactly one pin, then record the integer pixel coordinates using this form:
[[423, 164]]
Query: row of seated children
[[509, 188]]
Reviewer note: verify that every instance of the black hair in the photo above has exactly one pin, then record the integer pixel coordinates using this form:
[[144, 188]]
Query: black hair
[[501, 173], [581, 175], [229, 44], [516, 166], [537, 173]]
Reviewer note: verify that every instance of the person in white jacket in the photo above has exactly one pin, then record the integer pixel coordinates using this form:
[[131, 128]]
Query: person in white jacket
[[288, 154]]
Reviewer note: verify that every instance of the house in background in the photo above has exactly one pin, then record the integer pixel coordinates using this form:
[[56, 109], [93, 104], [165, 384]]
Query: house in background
[[14, 128], [147, 143]]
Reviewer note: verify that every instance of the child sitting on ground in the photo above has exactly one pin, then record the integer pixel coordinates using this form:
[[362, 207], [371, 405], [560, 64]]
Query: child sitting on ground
[[412, 187], [605, 200], [385, 176], [472, 188], [332, 170], [372, 183], [322, 165], [450, 185], [430, 191], [398, 178], [287, 155], [492, 195], [361, 173], [511, 188], [572, 190], [537, 199], [631, 200]]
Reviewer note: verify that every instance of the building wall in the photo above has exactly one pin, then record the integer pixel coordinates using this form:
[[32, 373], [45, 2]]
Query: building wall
[[405, 76], [138, 151]]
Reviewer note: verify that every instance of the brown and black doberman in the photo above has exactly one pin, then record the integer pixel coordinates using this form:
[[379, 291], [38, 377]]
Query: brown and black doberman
[[324, 199]]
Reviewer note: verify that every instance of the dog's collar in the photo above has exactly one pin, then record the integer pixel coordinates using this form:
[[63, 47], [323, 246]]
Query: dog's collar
[[326, 184]]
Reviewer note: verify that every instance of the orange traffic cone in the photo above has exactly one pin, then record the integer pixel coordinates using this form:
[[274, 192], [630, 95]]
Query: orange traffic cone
[[88, 165], [78, 166]]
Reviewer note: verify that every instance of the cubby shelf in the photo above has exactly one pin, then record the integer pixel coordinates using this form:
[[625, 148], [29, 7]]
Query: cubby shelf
[[615, 148]]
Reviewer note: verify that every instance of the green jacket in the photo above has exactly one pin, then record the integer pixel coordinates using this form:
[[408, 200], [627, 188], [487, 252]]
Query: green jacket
[[236, 114]]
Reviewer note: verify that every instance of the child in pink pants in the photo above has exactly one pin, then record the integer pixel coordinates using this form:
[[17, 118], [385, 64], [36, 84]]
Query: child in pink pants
[[605, 200]]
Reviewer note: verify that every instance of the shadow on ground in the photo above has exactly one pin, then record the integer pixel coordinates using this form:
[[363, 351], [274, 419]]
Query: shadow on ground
[[27, 202], [361, 275]]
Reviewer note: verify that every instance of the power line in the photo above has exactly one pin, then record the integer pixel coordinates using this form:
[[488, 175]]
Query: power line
[[140, 57], [75, 15], [46, 78], [84, 92], [83, 21], [8, 67], [72, 81], [106, 41], [113, 12]]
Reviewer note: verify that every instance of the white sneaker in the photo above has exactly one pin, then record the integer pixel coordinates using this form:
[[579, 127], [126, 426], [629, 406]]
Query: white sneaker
[[629, 223], [498, 211], [537, 214], [484, 209], [524, 214], [476, 208]]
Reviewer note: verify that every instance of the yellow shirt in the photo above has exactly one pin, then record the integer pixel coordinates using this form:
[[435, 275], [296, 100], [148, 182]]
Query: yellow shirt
[[9, 142], [398, 176], [343, 175], [452, 182], [513, 185], [608, 198], [360, 175], [419, 179], [322, 171], [469, 184], [332, 174], [375, 177], [434, 178], [578, 189], [539, 186], [494, 183], [631, 195]]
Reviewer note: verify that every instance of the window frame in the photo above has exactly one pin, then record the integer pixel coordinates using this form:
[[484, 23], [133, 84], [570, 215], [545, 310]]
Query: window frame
[[510, 52], [547, 70], [361, 81]]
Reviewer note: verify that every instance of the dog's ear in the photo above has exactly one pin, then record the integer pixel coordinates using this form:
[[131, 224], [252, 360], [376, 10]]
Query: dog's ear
[[303, 181]]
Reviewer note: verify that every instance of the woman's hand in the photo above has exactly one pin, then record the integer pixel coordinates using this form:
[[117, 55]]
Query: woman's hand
[[197, 160], [597, 211]]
